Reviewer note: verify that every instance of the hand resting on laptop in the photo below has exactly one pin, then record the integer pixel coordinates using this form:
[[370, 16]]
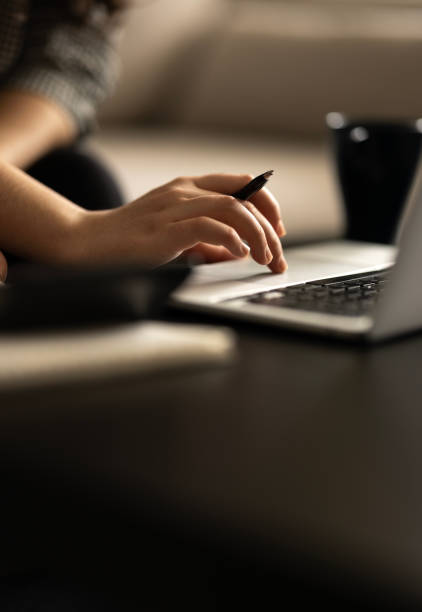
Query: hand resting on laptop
[[190, 216]]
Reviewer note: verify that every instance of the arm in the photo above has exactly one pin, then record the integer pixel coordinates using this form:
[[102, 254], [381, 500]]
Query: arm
[[35, 222], [70, 64], [38, 224], [65, 69], [51, 94], [30, 126], [187, 213]]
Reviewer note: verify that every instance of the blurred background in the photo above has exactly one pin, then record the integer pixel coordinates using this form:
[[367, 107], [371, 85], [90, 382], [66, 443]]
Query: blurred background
[[244, 86]]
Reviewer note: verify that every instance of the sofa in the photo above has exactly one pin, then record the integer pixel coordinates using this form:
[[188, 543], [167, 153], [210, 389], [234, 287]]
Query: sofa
[[244, 86]]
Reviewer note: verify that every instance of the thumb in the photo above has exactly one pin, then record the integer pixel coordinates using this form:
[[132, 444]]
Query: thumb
[[222, 183]]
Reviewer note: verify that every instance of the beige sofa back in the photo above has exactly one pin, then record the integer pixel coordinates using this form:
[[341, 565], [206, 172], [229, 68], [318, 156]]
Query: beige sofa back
[[269, 66], [158, 39]]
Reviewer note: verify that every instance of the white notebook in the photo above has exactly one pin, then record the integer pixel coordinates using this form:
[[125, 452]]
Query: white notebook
[[142, 347]]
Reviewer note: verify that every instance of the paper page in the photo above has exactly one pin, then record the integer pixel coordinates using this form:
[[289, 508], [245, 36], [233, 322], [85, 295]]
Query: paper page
[[137, 347]]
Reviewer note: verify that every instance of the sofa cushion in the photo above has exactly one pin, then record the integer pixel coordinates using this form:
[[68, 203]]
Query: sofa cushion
[[153, 35], [281, 66]]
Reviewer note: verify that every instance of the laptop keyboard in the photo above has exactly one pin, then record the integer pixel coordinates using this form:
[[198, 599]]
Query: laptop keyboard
[[351, 296]]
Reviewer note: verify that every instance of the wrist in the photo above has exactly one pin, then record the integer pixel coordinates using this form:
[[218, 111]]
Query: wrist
[[90, 239], [73, 246]]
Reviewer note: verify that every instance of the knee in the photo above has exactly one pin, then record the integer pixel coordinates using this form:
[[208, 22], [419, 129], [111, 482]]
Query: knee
[[80, 176]]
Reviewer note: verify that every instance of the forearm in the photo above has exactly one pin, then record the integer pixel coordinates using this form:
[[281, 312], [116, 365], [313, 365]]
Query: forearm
[[30, 127], [35, 222]]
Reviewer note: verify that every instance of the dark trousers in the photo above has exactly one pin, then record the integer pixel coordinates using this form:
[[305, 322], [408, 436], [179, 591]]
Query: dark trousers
[[79, 176]]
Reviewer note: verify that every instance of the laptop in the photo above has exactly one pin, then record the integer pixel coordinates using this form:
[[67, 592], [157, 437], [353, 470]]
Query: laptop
[[353, 290]]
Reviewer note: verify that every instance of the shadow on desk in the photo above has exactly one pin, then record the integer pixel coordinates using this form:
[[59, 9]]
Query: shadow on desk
[[70, 546], [291, 477]]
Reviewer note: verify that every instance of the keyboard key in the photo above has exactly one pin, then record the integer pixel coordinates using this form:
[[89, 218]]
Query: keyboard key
[[306, 297], [272, 295], [354, 296], [295, 289], [348, 296], [337, 290], [335, 284]]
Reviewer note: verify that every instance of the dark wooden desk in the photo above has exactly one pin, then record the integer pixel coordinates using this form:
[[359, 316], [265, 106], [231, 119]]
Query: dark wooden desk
[[305, 454]]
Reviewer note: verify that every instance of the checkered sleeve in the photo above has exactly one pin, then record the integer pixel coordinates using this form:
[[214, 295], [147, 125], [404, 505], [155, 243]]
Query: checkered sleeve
[[71, 63]]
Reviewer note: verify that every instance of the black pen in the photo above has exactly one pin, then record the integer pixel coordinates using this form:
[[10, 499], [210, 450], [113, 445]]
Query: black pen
[[253, 186]]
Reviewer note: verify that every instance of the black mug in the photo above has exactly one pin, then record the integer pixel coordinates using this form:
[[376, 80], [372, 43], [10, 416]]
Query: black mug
[[376, 162]]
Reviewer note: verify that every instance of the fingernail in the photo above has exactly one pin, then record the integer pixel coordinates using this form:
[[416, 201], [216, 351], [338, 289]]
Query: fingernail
[[268, 255], [281, 264], [281, 231], [243, 249]]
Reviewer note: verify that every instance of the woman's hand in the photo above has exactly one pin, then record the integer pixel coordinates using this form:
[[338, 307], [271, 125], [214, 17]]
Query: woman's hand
[[3, 268], [189, 216]]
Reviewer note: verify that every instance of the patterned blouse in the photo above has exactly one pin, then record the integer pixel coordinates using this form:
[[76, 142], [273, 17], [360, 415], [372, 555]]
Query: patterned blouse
[[65, 61]]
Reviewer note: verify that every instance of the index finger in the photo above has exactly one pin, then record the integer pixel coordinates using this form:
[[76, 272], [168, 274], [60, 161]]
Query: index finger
[[267, 204], [264, 201]]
